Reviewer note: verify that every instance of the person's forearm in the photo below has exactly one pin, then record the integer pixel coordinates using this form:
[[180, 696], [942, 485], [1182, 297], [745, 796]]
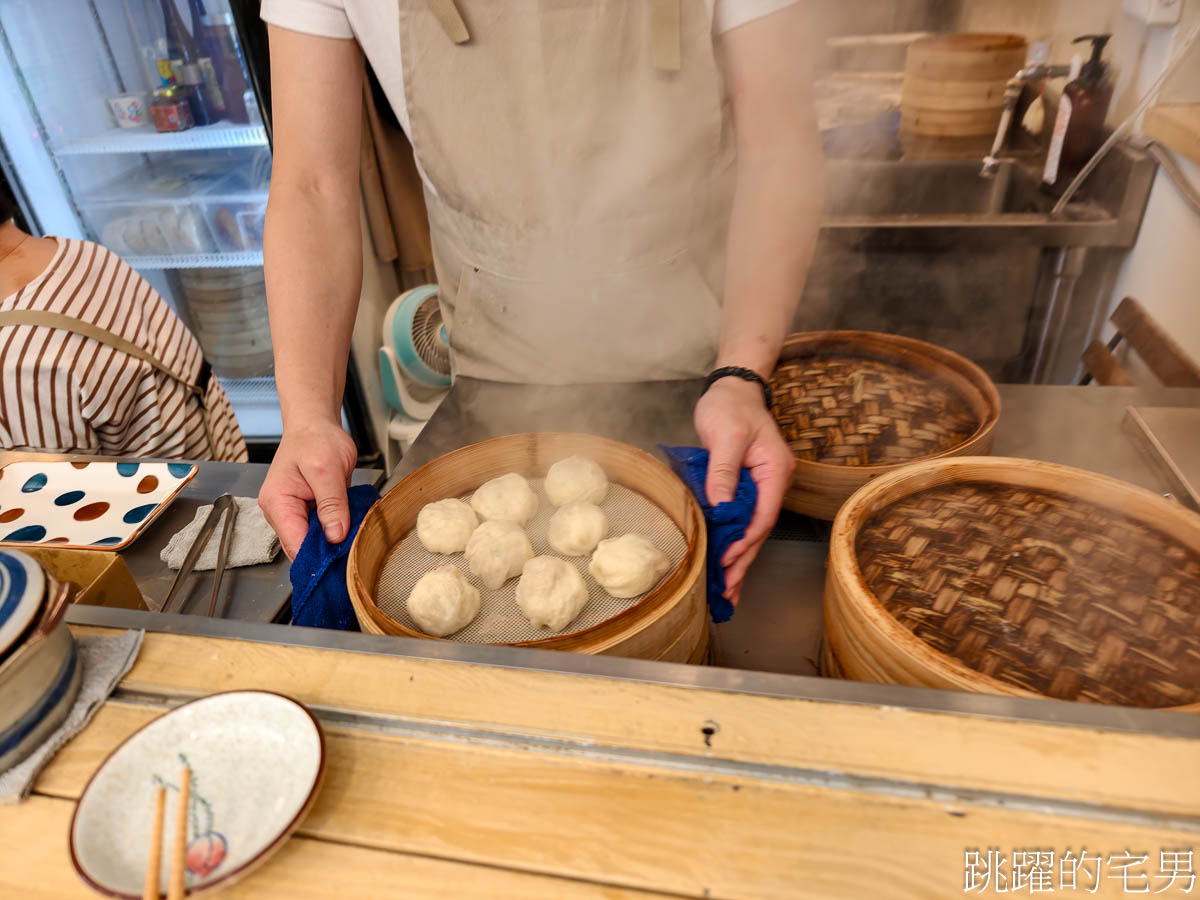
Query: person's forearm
[[312, 248], [777, 200], [772, 234]]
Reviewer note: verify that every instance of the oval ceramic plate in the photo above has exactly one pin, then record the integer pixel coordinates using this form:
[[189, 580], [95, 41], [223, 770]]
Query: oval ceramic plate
[[257, 760], [84, 505], [22, 588]]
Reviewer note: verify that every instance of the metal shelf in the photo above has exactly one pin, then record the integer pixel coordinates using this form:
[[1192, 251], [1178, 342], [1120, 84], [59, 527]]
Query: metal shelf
[[197, 260], [223, 135]]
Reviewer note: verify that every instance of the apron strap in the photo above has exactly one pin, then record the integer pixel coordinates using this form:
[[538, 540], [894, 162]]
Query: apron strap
[[451, 21], [44, 318], [664, 34]]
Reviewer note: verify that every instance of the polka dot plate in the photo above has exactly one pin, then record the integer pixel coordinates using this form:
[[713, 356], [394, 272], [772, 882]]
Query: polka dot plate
[[85, 505]]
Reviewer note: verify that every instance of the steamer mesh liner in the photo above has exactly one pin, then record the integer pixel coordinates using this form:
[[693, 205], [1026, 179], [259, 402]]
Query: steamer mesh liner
[[500, 620]]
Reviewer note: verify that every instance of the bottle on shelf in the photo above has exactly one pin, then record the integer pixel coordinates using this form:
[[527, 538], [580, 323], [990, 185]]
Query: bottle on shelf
[[183, 53], [191, 79], [1079, 127], [202, 36], [227, 60]]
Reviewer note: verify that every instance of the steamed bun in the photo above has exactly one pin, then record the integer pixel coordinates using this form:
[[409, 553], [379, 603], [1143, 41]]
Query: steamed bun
[[576, 529], [576, 478], [508, 498], [628, 566], [443, 601], [444, 526], [551, 592], [497, 551]]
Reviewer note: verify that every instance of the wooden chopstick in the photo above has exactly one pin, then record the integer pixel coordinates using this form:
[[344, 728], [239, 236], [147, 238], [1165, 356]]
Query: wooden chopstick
[[175, 886], [154, 857]]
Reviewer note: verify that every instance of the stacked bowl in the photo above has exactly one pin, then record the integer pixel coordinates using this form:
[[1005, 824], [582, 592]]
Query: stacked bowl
[[39, 664]]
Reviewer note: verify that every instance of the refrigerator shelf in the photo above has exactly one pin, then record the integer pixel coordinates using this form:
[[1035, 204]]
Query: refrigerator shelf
[[223, 135], [196, 260]]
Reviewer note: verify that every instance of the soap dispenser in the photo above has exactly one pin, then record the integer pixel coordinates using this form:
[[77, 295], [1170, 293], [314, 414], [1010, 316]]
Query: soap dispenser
[[1079, 128]]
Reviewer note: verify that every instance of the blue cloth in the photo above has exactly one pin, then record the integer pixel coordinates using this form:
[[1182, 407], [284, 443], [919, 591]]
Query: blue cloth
[[726, 522], [318, 574]]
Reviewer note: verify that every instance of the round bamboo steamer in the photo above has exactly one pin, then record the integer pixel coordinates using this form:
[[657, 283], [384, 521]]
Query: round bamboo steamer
[[227, 309], [670, 623], [819, 489], [864, 642], [954, 83]]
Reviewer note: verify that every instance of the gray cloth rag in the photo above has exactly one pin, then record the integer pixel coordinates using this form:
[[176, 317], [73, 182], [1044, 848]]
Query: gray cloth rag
[[105, 660], [254, 541]]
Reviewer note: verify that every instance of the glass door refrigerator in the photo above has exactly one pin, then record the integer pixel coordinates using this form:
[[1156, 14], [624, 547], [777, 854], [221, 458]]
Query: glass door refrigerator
[[141, 125]]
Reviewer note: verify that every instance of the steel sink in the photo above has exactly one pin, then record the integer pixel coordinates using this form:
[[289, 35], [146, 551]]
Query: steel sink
[[937, 202], [934, 250]]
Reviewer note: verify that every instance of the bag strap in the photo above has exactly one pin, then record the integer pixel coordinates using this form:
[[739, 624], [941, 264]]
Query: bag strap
[[44, 318]]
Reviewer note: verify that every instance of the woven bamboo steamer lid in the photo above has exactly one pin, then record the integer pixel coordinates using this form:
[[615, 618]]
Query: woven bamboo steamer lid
[[864, 641], [669, 623], [818, 488], [953, 89]]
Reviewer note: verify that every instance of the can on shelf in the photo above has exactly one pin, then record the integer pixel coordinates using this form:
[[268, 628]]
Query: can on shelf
[[171, 110]]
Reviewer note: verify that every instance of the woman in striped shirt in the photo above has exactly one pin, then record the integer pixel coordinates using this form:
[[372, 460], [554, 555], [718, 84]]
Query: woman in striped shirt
[[66, 387]]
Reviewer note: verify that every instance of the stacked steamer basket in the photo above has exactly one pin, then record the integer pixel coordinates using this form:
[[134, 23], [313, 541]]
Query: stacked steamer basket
[[952, 96], [854, 405], [39, 665], [668, 623], [1016, 577]]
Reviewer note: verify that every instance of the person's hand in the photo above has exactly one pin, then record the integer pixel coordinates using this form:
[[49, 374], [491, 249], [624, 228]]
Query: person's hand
[[312, 465], [737, 430]]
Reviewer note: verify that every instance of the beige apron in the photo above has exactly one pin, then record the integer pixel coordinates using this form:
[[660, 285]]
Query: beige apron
[[583, 165]]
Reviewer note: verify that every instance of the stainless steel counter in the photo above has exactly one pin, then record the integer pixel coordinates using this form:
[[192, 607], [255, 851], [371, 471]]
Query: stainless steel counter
[[772, 642], [778, 626], [252, 593]]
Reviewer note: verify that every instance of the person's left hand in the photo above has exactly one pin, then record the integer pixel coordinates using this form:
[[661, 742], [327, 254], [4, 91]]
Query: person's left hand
[[737, 430]]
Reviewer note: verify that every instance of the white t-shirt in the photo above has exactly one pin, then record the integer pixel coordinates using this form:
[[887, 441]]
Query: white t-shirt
[[375, 24]]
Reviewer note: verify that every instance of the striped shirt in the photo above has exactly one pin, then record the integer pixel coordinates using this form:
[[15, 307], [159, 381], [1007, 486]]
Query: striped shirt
[[63, 392]]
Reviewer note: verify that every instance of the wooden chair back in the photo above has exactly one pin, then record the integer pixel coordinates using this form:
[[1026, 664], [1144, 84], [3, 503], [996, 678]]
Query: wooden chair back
[[1161, 355]]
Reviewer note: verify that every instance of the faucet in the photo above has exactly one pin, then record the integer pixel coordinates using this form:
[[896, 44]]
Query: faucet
[[1012, 91]]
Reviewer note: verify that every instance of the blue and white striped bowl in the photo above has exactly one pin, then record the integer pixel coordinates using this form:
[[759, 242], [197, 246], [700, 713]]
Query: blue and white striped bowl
[[22, 590], [38, 681]]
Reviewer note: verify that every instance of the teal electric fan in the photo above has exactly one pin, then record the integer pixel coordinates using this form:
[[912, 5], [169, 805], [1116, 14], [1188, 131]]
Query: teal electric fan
[[414, 361]]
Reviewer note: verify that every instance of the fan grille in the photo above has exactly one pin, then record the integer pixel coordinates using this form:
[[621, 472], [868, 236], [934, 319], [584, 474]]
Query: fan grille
[[428, 336]]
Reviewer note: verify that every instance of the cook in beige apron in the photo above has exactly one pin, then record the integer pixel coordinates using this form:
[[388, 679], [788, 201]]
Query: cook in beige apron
[[582, 161]]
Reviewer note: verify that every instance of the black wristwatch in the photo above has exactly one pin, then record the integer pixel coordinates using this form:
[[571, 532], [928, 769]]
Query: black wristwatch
[[744, 374]]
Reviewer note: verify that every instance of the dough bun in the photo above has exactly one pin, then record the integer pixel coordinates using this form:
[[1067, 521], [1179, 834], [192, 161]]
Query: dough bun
[[445, 526], [497, 551], [443, 601], [576, 479], [551, 592], [628, 566]]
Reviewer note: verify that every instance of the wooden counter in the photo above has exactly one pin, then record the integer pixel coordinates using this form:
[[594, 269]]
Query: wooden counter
[[456, 779]]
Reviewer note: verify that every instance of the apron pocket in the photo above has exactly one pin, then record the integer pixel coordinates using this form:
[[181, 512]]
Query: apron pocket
[[654, 322]]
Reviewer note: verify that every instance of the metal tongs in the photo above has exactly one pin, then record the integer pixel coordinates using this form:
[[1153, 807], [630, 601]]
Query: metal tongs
[[223, 504]]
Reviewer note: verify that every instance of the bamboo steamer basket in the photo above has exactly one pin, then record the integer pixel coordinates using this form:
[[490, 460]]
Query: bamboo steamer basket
[[227, 309], [954, 83], [917, 401], [1016, 577], [670, 623]]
